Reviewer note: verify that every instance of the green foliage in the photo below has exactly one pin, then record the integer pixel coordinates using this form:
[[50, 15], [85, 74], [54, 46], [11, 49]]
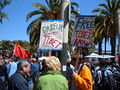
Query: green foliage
[[3, 4], [106, 26]]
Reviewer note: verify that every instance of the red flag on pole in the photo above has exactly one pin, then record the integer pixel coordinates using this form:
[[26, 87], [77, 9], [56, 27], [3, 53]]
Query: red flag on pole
[[20, 52]]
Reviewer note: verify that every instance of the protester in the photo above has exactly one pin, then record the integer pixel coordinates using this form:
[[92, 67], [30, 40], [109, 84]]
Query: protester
[[82, 75], [2, 76], [96, 68], [35, 69], [51, 77], [19, 80], [103, 78], [69, 75], [12, 67]]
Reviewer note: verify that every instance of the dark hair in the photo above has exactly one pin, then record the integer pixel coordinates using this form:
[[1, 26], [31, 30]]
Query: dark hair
[[102, 62], [22, 63]]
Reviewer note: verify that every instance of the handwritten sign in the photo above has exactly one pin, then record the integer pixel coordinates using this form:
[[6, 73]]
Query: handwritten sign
[[82, 34], [51, 36]]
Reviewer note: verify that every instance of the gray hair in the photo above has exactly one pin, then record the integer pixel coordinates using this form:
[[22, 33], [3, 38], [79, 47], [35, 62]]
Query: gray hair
[[22, 63]]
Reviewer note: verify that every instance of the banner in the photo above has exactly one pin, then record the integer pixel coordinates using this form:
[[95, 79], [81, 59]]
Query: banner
[[51, 35], [82, 34]]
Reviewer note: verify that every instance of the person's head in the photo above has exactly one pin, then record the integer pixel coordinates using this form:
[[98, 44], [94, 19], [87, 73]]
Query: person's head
[[12, 59], [74, 59], [51, 63], [102, 63], [23, 66]]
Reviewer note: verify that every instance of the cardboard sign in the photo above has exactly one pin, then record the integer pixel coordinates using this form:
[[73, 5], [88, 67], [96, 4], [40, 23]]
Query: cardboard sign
[[51, 36], [82, 34]]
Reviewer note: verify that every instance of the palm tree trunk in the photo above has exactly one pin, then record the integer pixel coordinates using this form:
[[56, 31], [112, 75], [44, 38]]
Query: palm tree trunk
[[100, 47], [113, 46], [105, 44]]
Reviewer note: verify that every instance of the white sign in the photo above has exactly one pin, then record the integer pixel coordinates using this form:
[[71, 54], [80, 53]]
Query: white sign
[[82, 34], [51, 35]]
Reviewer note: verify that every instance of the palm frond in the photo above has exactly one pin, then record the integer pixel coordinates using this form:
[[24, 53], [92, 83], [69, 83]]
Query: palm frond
[[36, 12], [40, 6]]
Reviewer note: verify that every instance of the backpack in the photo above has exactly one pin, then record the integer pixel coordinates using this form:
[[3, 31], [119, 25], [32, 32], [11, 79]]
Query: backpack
[[116, 76], [105, 82]]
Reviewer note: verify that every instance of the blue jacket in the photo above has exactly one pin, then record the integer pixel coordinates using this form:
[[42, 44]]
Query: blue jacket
[[18, 82]]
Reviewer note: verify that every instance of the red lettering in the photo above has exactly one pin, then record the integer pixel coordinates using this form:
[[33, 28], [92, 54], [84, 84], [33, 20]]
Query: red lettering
[[87, 43], [51, 41], [83, 34], [76, 42], [80, 42], [59, 43], [46, 39]]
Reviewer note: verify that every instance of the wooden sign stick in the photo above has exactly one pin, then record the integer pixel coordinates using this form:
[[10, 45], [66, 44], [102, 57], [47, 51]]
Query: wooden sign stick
[[49, 53], [77, 58]]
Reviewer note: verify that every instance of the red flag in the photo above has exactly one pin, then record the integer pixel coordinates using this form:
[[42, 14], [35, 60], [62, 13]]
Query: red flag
[[20, 52]]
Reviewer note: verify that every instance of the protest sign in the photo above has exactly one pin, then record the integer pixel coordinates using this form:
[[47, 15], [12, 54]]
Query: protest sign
[[82, 34], [51, 35]]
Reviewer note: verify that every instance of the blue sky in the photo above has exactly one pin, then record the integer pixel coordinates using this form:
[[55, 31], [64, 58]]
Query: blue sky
[[15, 28]]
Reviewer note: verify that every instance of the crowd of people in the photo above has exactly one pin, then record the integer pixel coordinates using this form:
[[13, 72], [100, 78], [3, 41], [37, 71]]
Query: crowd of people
[[44, 73]]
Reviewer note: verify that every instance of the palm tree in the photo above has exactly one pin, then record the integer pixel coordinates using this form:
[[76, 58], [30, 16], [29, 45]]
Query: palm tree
[[3, 3], [49, 12], [108, 25], [99, 33]]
